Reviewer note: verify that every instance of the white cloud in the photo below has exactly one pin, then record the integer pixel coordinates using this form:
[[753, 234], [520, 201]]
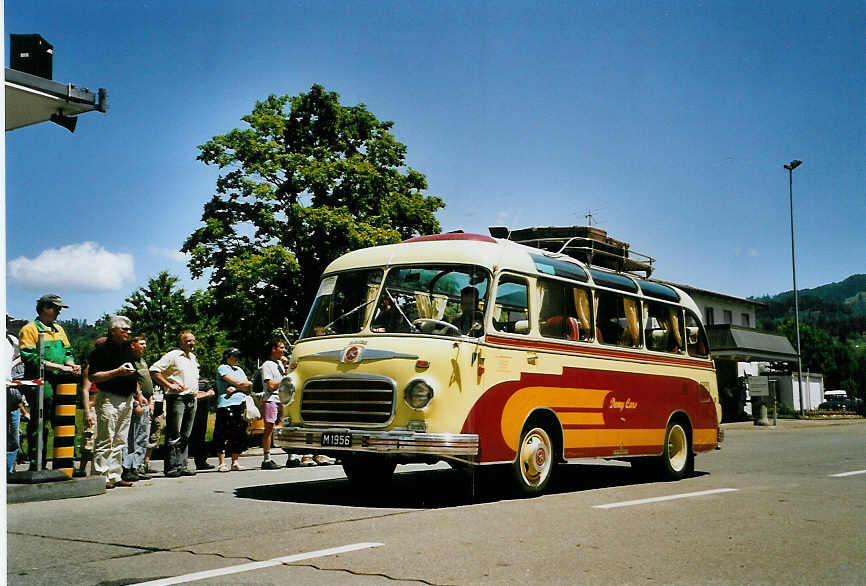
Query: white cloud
[[84, 267], [168, 253]]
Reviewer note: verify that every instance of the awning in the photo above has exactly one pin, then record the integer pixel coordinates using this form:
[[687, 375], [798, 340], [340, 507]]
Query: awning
[[743, 344], [31, 99]]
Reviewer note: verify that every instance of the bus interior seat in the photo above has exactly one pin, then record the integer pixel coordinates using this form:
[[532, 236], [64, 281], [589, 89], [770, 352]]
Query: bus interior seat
[[572, 328]]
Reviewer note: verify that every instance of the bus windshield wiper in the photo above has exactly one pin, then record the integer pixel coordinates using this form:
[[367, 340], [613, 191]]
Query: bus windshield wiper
[[394, 301], [350, 312]]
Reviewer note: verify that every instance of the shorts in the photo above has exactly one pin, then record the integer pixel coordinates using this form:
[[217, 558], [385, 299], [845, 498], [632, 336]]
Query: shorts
[[271, 412], [88, 434], [157, 423]]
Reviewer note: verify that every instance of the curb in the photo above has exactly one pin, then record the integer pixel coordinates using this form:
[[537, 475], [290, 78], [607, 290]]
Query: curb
[[48, 491]]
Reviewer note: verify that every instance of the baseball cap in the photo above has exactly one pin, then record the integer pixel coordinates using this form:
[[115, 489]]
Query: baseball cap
[[52, 299], [232, 351]]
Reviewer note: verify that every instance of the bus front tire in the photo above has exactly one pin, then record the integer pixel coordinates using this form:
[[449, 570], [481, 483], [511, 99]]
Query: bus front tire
[[535, 462]]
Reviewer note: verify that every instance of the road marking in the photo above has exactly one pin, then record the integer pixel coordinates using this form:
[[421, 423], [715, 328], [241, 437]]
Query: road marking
[[664, 498], [844, 474], [258, 565]]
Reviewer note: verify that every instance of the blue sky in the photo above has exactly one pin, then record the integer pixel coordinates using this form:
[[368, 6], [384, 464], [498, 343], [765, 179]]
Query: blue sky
[[670, 121]]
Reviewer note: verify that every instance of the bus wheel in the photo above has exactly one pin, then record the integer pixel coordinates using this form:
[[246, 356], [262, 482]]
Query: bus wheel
[[368, 472], [534, 465], [677, 457]]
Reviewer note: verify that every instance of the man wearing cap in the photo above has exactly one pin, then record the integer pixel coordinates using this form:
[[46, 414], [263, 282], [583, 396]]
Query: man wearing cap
[[59, 365], [111, 368]]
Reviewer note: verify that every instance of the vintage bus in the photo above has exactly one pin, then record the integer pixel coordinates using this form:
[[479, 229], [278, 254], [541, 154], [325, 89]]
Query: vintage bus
[[478, 350]]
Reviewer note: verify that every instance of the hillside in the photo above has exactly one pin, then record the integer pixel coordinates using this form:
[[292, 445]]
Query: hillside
[[839, 308]]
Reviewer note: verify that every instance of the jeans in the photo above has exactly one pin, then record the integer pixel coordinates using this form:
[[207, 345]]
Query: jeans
[[113, 413], [139, 431], [12, 430], [179, 417]]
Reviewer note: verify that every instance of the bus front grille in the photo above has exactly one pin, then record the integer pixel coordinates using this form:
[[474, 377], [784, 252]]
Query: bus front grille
[[348, 400]]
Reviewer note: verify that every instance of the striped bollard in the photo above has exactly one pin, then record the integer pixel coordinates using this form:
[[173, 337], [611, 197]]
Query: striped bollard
[[64, 428]]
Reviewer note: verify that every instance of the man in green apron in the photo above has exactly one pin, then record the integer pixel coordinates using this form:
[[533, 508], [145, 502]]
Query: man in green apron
[[59, 365]]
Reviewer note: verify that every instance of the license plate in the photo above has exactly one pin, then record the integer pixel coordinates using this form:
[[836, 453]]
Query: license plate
[[337, 440]]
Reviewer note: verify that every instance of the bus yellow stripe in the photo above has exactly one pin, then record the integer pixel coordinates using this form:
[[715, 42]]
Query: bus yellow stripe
[[526, 399]]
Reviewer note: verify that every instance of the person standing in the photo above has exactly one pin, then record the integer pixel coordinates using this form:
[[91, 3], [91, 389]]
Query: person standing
[[272, 372], [111, 368], [139, 427], [177, 373], [59, 367], [14, 409], [230, 429], [197, 443]]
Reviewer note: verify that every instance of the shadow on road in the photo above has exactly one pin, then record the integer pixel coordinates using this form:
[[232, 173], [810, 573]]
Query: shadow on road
[[434, 489]]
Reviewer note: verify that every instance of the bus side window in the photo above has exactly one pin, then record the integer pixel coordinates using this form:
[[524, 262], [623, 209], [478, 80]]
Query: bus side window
[[696, 337], [618, 319], [565, 311], [511, 311], [664, 332]]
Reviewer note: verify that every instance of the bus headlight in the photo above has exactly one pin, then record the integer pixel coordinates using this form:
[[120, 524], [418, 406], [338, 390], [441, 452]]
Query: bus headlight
[[418, 394], [287, 391]]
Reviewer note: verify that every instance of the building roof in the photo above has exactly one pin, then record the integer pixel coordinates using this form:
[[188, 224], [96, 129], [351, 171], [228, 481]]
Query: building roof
[[31, 99], [747, 345], [691, 290]]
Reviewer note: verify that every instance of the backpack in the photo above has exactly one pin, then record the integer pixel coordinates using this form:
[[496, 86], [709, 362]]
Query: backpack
[[258, 385]]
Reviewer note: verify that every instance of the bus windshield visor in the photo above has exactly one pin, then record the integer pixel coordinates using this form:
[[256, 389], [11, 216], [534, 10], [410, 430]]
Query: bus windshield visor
[[343, 303], [432, 299]]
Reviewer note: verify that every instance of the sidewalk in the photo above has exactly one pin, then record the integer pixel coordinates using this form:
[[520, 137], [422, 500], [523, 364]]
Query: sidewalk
[[797, 423], [250, 460]]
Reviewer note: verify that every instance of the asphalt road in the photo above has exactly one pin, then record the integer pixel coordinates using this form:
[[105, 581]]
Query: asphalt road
[[770, 507]]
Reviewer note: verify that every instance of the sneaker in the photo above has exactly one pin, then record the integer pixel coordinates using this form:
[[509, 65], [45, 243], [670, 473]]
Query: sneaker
[[237, 467], [223, 467], [322, 460], [187, 472], [308, 461], [145, 468], [270, 465], [129, 475], [124, 483], [204, 466], [79, 473], [173, 473], [143, 476], [293, 462]]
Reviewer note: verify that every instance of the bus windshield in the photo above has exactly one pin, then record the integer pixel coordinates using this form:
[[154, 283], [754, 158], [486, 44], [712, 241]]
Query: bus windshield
[[435, 299], [343, 303], [439, 299]]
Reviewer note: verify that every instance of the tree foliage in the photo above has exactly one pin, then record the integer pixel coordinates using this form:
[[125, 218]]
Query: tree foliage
[[307, 180], [160, 311]]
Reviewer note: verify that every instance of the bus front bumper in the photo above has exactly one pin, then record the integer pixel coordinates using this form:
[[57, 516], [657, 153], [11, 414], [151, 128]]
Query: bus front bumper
[[305, 440]]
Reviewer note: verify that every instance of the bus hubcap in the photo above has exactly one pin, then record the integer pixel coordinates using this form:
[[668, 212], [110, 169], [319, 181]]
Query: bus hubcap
[[535, 457]]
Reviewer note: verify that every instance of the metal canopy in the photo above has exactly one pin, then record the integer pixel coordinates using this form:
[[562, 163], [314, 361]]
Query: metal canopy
[[742, 344], [31, 99]]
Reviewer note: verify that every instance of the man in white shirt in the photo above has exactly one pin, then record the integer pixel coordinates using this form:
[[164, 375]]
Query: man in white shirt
[[177, 373]]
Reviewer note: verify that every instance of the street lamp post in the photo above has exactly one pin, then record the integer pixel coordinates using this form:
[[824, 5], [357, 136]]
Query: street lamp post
[[790, 167]]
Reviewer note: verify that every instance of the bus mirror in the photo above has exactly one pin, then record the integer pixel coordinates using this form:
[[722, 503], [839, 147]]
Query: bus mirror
[[521, 326], [693, 335]]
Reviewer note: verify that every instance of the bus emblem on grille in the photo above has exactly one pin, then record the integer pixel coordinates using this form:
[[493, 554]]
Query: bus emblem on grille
[[351, 354]]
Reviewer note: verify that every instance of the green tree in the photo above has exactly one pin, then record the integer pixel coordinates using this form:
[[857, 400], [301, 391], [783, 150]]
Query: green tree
[[157, 311], [308, 180], [160, 311]]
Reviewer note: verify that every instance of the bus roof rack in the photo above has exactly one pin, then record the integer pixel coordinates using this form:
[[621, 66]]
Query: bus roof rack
[[589, 244]]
